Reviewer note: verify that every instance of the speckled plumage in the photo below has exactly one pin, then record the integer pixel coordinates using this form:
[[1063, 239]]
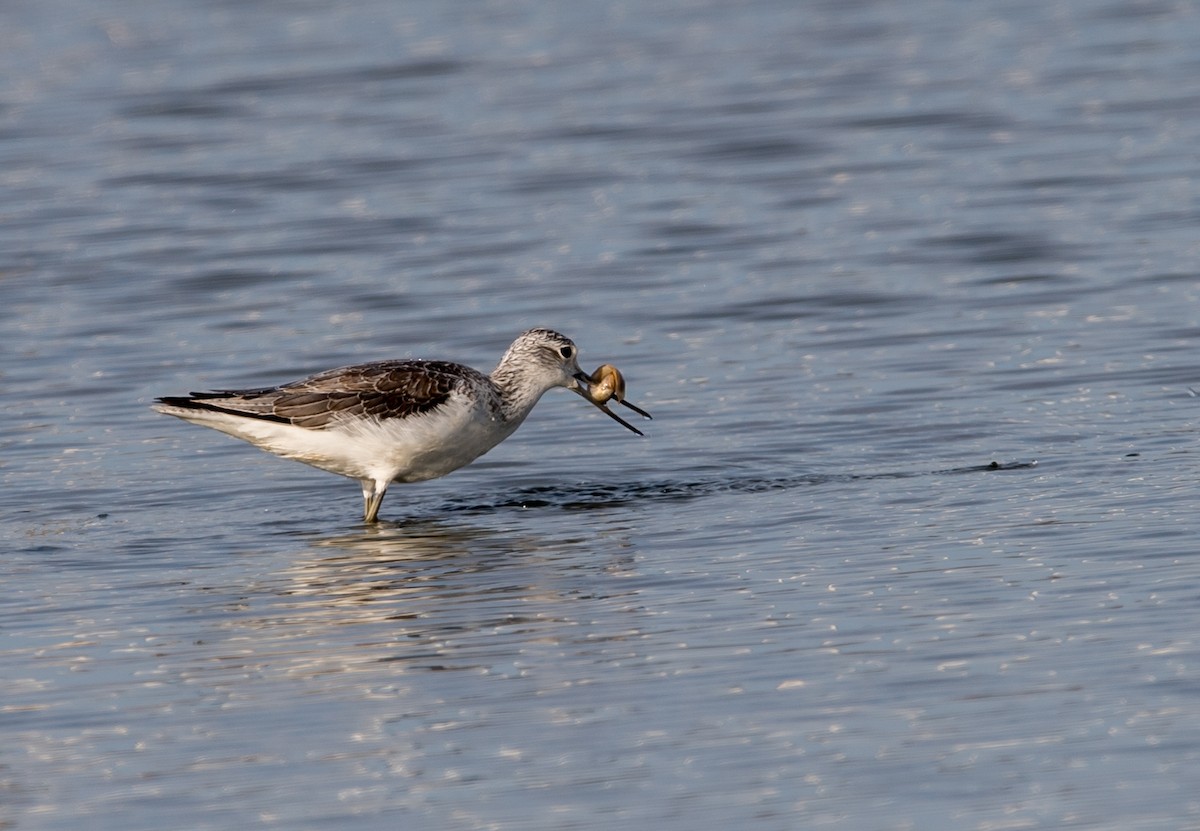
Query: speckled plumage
[[386, 389]]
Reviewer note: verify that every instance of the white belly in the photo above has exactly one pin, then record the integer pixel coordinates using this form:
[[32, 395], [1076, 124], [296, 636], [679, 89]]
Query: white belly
[[410, 449]]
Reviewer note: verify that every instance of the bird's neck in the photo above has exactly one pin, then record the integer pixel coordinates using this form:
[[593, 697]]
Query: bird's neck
[[518, 390]]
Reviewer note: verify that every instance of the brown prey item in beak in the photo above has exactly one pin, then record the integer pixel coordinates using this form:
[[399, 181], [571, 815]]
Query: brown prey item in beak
[[604, 384]]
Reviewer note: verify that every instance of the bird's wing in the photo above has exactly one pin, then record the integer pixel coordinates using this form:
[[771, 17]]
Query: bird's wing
[[383, 390]]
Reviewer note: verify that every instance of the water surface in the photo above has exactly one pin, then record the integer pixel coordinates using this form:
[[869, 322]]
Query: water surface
[[866, 263]]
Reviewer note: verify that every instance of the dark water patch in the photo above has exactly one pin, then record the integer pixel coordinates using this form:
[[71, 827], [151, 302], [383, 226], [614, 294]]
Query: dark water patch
[[376, 165], [600, 130], [963, 119], [690, 229], [187, 107], [159, 143], [1067, 182], [430, 68], [758, 150], [123, 233], [1145, 11], [995, 248], [811, 200], [555, 181], [861, 304], [373, 230], [1161, 106], [866, 168], [1187, 333], [295, 179], [228, 201], [586, 496], [751, 104], [312, 83], [683, 247], [789, 266], [1035, 279], [226, 279], [1167, 278], [492, 250], [1157, 220]]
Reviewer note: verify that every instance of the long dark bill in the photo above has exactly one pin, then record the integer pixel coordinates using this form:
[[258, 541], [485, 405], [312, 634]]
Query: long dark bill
[[636, 409], [617, 418]]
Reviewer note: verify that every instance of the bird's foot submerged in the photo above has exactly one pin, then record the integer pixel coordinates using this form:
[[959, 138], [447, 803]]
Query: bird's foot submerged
[[372, 499]]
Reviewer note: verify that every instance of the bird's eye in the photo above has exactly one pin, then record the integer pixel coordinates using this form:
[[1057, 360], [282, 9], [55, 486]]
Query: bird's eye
[[567, 352]]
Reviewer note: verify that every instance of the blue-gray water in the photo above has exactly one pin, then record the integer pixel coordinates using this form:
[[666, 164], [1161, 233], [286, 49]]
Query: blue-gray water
[[848, 253]]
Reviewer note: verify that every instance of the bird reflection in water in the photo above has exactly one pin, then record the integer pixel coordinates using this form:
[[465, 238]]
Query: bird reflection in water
[[429, 595]]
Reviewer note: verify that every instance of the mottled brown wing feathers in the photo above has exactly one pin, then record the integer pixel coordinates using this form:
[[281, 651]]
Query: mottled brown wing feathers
[[388, 389]]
